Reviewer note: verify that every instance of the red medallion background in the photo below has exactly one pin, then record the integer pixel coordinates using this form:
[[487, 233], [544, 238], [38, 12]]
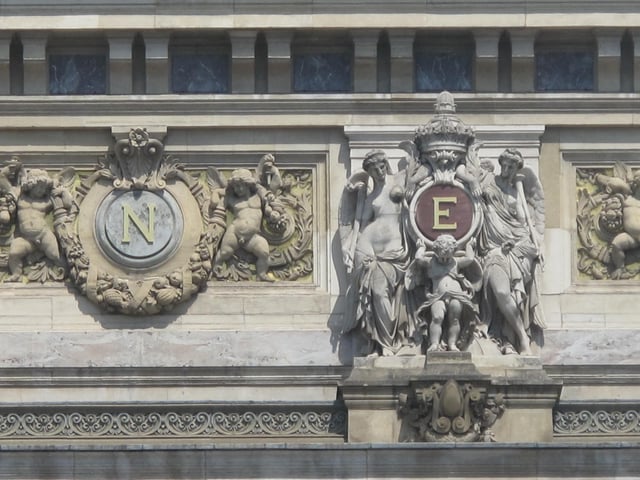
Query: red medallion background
[[460, 213]]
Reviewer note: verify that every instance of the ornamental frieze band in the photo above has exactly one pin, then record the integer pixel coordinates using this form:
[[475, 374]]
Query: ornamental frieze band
[[596, 422], [141, 233], [203, 423]]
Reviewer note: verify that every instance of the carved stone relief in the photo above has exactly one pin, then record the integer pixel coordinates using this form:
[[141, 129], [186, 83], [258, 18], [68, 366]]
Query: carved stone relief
[[450, 412], [597, 422], [140, 422], [270, 218], [445, 253], [141, 233], [608, 222], [27, 197]]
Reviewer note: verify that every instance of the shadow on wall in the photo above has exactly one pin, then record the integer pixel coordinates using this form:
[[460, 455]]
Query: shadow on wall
[[113, 321], [345, 344]]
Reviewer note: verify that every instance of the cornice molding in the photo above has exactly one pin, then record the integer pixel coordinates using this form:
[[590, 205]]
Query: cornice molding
[[297, 110], [171, 376], [154, 14]]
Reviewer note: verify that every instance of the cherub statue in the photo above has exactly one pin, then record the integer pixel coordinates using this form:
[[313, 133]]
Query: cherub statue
[[34, 234], [10, 174], [9, 192], [449, 293], [247, 200], [268, 174], [624, 185]]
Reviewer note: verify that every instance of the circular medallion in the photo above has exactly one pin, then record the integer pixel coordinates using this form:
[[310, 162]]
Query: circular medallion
[[440, 209], [139, 229]]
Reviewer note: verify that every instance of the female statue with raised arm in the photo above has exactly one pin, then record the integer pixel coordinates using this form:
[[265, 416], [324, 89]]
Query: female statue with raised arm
[[376, 255]]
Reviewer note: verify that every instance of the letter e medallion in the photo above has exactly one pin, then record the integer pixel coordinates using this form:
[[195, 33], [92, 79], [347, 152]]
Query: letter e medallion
[[442, 209]]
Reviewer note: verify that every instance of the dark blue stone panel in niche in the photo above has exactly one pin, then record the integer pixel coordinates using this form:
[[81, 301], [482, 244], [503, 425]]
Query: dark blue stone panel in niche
[[78, 74], [437, 71], [564, 71], [200, 73], [322, 72]]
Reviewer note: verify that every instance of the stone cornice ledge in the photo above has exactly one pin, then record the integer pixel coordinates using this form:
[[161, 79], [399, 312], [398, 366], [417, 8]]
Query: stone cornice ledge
[[170, 14], [313, 110], [170, 376]]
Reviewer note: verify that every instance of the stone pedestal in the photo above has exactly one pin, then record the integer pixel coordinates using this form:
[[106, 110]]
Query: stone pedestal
[[450, 397]]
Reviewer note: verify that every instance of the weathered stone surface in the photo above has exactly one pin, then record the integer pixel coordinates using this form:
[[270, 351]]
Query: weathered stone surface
[[593, 347], [157, 348]]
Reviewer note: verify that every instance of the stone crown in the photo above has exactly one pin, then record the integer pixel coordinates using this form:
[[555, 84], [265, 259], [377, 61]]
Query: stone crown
[[445, 131]]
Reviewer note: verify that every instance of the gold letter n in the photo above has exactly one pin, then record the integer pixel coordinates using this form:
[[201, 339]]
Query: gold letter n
[[130, 216]]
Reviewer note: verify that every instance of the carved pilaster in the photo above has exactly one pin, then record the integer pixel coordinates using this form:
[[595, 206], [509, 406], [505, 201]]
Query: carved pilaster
[[523, 68], [120, 68], [279, 61], [402, 69], [35, 64], [365, 45], [608, 60], [243, 61], [157, 62], [486, 68]]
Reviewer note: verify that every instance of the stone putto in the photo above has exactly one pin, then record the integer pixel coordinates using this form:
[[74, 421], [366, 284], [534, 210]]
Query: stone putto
[[445, 254]]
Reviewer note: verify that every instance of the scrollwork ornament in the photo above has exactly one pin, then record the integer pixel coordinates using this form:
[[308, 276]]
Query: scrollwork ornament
[[599, 422], [450, 412], [10, 425], [172, 424]]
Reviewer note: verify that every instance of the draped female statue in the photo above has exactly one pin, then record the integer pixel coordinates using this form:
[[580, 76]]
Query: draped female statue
[[510, 242], [375, 252]]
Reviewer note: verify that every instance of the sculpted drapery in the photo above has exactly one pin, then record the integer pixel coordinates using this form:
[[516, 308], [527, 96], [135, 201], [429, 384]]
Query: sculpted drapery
[[469, 237], [376, 253], [510, 245]]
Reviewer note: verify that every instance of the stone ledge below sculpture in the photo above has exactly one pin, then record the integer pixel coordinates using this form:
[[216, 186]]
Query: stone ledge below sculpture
[[447, 397]]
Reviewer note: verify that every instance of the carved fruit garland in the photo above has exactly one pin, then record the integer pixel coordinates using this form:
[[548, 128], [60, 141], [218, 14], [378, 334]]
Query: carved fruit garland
[[137, 164]]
